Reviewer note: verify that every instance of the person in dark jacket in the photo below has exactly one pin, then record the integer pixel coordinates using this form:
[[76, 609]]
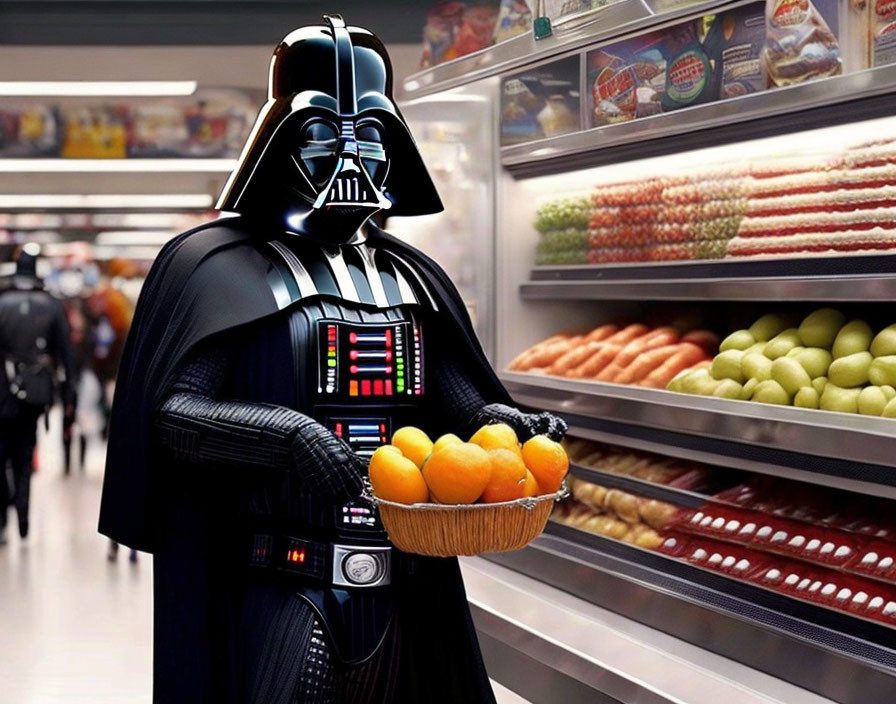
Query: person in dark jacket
[[36, 352], [270, 354]]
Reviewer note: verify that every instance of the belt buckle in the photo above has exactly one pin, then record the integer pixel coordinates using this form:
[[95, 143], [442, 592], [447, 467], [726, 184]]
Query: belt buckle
[[362, 566]]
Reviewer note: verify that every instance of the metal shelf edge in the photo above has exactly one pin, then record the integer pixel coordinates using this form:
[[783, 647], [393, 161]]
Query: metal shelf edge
[[880, 288], [842, 436], [825, 92]]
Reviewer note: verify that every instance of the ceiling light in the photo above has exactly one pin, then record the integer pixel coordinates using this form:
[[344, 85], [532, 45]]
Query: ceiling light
[[137, 200], [96, 88], [134, 165]]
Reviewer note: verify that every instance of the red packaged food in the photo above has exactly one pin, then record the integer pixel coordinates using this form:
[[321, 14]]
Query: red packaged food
[[733, 560], [876, 557], [674, 544]]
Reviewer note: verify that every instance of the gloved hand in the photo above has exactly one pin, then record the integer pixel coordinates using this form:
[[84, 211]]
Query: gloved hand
[[326, 464], [525, 424]]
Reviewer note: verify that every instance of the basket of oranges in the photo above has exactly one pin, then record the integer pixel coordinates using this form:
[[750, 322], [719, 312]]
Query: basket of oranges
[[451, 497]]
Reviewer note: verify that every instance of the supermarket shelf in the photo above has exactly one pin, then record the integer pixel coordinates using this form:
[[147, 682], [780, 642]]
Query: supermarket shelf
[[133, 165], [597, 27], [540, 642], [650, 490], [840, 278], [847, 451], [856, 96], [784, 637]]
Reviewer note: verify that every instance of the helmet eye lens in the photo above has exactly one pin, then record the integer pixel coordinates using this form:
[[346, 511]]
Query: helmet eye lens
[[318, 144]]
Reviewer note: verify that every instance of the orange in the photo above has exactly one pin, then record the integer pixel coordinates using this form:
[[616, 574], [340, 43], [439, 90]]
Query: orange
[[496, 437], [396, 478], [413, 443], [508, 480], [530, 486], [547, 460], [446, 439], [458, 473]]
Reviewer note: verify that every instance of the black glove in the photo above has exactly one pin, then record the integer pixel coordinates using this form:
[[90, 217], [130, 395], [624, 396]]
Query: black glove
[[326, 464], [525, 424]]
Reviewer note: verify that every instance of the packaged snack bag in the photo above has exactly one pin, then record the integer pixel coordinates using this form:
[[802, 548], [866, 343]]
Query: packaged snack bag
[[799, 44], [883, 32], [476, 31], [514, 17], [442, 23], [690, 78], [734, 42]]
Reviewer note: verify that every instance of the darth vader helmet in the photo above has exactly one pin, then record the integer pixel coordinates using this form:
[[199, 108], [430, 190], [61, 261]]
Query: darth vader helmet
[[329, 148]]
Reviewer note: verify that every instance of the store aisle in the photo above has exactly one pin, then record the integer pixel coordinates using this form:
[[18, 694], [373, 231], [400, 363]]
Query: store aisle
[[75, 628]]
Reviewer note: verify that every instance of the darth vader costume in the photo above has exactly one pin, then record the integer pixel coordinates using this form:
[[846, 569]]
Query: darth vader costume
[[271, 353]]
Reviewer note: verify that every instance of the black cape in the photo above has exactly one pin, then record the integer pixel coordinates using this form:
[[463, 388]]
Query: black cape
[[205, 282]]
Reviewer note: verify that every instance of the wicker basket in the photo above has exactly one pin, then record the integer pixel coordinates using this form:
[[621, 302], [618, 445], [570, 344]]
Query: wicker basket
[[444, 531]]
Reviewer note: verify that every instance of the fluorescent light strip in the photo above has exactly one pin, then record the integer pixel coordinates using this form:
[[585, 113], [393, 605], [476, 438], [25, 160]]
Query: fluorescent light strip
[[174, 200], [19, 166], [132, 237], [97, 88]]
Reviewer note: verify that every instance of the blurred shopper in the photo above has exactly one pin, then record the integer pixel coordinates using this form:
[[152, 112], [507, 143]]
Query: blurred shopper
[[35, 345]]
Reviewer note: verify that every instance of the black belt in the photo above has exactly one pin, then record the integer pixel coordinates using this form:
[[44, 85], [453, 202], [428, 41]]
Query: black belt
[[343, 565]]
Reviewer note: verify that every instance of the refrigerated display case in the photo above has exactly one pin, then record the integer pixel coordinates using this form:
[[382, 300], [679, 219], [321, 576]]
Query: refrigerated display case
[[666, 220]]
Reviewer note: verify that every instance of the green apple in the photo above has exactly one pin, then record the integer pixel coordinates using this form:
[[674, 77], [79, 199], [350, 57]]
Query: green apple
[[795, 351], [746, 392], [819, 384], [853, 337], [728, 388], [726, 365], [890, 409], [756, 366], [706, 385], [806, 397], [819, 328], [771, 392], [889, 392], [691, 382], [851, 370], [790, 375], [883, 371], [884, 342], [872, 401], [815, 361], [782, 343], [767, 327], [739, 340], [835, 398], [758, 348]]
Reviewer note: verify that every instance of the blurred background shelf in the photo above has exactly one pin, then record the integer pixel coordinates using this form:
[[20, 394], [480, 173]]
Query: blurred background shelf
[[856, 278], [846, 451]]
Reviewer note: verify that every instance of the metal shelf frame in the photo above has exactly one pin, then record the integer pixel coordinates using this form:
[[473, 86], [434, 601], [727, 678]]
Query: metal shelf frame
[[787, 638], [820, 279], [599, 26], [846, 451], [836, 100]]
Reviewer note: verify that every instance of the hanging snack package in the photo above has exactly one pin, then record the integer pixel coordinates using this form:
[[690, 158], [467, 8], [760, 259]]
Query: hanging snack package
[[799, 43], [883, 32]]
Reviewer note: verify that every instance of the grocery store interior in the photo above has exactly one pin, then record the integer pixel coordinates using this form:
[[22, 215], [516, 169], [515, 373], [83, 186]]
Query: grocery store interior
[[672, 224]]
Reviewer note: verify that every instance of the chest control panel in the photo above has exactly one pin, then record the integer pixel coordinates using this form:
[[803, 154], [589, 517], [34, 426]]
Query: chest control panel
[[370, 362]]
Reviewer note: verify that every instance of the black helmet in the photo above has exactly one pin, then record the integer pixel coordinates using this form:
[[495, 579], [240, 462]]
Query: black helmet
[[329, 144]]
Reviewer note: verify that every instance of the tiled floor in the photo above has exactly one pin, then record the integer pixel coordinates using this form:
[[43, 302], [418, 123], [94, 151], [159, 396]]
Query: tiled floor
[[74, 628]]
